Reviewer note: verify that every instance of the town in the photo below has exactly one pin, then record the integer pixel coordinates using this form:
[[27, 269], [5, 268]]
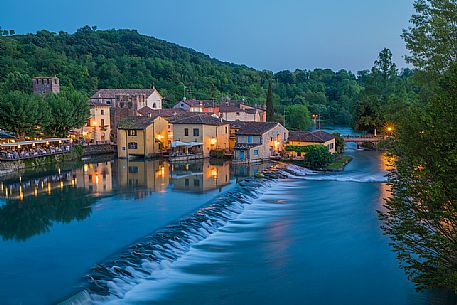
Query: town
[[133, 124]]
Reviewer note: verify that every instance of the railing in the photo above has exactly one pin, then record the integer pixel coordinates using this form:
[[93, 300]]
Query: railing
[[16, 157]]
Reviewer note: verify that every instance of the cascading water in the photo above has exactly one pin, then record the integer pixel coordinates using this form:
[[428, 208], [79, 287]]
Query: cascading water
[[114, 278]]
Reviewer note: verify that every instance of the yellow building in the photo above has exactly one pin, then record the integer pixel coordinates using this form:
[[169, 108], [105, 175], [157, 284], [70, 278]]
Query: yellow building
[[98, 127], [303, 138], [143, 176], [199, 133], [142, 136]]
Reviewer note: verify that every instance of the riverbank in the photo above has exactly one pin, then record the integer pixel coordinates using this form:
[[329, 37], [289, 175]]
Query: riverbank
[[338, 164]]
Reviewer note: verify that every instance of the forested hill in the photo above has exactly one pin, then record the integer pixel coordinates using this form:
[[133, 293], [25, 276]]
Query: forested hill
[[89, 59]]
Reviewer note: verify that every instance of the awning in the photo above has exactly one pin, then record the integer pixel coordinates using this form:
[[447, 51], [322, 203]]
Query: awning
[[185, 144], [42, 141], [6, 135]]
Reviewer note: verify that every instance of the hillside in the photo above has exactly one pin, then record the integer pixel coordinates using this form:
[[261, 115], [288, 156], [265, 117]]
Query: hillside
[[89, 59]]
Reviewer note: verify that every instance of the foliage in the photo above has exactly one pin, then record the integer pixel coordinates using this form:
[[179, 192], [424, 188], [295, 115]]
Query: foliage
[[432, 38], [90, 59], [339, 143], [339, 163], [269, 103], [297, 117], [421, 215], [316, 156]]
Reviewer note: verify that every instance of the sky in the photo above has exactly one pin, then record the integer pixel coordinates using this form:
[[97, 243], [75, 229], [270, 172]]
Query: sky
[[264, 34]]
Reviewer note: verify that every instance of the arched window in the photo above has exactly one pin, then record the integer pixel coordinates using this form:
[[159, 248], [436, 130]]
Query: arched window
[[154, 105]]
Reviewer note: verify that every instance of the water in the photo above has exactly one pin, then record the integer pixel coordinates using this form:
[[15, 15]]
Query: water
[[145, 235], [58, 223]]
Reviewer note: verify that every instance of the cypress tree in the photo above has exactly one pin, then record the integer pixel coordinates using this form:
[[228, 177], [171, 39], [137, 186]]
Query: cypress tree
[[269, 103]]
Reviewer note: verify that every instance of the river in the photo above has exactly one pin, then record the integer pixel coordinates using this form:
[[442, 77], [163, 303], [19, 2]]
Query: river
[[146, 232]]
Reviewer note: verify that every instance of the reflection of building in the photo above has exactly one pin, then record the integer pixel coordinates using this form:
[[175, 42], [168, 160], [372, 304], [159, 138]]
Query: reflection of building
[[257, 141], [143, 175], [95, 177], [303, 138], [200, 176], [142, 136]]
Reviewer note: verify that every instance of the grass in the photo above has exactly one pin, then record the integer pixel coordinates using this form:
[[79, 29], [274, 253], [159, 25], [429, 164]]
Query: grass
[[339, 163]]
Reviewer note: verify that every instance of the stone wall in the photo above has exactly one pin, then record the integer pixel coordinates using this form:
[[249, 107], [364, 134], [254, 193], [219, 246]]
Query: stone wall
[[99, 149]]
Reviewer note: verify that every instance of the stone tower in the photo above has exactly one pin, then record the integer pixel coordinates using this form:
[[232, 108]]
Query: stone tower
[[46, 85]]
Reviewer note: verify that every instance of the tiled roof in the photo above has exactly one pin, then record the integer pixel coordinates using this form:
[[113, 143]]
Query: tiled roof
[[203, 103], [97, 103], [111, 93], [135, 122], [230, 108], [196, 118], [165, 113], [253, 128], [246, 145], [314, 137]]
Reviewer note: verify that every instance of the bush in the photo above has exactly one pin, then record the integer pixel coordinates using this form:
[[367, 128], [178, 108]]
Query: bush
[[217, 154], [317, 156]]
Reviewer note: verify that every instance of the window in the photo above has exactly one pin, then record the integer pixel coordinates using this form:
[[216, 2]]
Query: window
[[186, 131], [154, 106], [226, 129], [186, 182], [133, 169], [271, 139], [102, 123], [55, 81], [256, 152], [249, 139], [237, 113], [196, 182], [132, 145], [132, 133], [102, 112], [196, 132], [108, 102]]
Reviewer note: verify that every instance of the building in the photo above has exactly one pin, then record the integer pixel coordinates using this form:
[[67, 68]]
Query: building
[[257, 141], [199, 132], [98, 128], [45, 84], [165, 113], [242, 113], [142, 136], [126, 102], [207, 106], [303, 138]]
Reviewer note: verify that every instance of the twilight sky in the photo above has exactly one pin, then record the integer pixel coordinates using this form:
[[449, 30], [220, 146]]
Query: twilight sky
[[264, 34]]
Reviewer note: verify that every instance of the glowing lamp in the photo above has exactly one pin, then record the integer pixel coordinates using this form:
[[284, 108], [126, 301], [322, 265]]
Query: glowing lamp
[[213, 141]]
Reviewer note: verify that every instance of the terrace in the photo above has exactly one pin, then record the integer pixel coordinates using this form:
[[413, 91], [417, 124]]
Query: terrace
[[34, 149]]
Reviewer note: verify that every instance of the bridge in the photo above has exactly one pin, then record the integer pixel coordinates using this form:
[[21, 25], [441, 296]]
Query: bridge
[[362, 139]]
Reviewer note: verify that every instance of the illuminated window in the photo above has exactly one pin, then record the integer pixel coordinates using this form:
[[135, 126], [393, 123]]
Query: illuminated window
[[132, 133], [132, 145]]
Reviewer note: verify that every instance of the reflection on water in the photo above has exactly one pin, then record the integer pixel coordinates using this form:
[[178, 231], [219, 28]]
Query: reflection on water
[[66, 194]]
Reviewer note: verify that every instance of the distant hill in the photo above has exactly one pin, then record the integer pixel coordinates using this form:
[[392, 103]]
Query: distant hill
[[89, 59]]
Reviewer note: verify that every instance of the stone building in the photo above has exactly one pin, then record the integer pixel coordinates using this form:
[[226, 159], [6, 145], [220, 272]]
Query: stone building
[[46, 84]]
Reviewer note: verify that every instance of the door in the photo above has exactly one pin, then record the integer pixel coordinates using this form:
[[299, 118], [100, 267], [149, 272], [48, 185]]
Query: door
[[241, 154]]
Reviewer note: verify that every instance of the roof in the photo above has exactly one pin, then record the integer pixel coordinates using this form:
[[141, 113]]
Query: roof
[[111, 93], [165, 113], [230, 108], [246, 145], [97, 103], [253, 128], [136, 122], [197, 103], [314, 137], [196, 118]]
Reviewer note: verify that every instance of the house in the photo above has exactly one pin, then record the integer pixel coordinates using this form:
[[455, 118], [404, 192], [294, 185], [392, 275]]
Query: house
[[126, 102], [98, 128], [46, 84], [142, 136], [207, 106], [257, 141], [303, 138], [165, 113], [199, 133], [241, 113]]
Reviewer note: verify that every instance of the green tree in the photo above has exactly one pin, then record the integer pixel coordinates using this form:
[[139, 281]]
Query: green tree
[[317, 156], [339, 143], [17, 81], [297, 117], [20, 112], [421, 215], [269, 103]]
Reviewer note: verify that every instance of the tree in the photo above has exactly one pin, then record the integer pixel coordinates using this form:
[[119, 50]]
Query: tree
[[317, 156], [297, 117], [421, 215], [339, 142], [17, 81], [20, 112], [269, 103], [432, 37]]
